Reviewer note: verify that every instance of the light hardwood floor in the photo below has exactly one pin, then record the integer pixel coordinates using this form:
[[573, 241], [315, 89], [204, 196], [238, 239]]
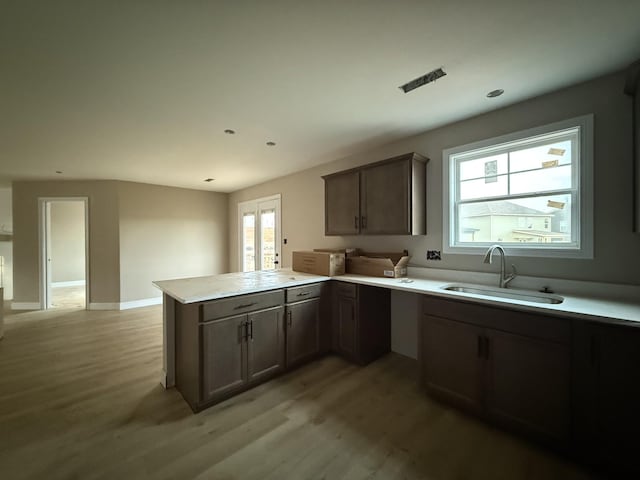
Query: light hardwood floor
[[68, 297], [80, 399]]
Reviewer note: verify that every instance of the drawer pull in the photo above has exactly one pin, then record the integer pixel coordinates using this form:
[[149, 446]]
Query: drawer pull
[[303, 294], [245, 305]]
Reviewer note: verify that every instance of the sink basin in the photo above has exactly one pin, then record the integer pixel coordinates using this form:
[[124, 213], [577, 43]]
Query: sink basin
[[495, 292]]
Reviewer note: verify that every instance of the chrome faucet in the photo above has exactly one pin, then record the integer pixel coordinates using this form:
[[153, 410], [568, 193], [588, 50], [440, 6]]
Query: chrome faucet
[[504, 281]]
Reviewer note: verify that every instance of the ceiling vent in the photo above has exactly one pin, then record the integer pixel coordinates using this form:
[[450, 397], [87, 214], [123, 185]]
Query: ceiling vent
[[423, 80]]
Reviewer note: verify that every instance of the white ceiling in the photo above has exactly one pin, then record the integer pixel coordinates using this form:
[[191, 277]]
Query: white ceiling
[[143, 90]]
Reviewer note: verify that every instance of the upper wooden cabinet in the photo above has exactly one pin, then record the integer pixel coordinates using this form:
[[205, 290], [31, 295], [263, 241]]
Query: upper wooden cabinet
[[342, 203], [383, 198]]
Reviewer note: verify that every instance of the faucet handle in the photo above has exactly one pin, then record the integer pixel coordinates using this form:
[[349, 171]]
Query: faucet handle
[[506, 280]]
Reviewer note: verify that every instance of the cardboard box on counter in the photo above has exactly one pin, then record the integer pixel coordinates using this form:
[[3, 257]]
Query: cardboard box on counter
[[325, 263], [390, 265], [348, 252]]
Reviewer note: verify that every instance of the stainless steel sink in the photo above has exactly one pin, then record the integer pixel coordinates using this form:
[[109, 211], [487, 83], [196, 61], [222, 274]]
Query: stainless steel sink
[[522, 295]]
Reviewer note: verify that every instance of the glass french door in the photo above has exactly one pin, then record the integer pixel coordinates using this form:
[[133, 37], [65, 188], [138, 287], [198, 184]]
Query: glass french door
[[259, 235]]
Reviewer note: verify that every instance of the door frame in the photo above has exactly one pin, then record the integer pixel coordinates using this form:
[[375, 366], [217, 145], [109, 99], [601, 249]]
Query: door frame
[[278, 226], [44, 245]]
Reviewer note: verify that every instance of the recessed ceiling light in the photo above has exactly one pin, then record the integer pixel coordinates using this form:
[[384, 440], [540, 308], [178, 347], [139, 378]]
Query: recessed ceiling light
[[228, 131], [58, 171], [271, 144], [209, 179], [495, 93]]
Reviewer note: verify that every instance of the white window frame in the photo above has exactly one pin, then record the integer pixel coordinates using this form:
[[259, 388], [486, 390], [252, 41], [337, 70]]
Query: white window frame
[[256, 206], [582, 212]]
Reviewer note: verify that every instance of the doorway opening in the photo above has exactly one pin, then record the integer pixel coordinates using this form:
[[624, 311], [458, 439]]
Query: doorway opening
[[259, 234], [64, 252]]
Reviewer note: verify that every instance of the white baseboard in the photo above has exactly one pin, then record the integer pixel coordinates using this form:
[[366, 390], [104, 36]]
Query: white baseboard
[[145, 302], [71, 283], [104, 306], [25, 306], [165, 381]]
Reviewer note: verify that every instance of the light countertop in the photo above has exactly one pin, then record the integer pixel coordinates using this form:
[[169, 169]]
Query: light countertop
[[214, 287], [197, 289]]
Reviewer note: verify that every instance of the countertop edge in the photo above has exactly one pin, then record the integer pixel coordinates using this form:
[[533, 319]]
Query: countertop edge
[[572, 307]]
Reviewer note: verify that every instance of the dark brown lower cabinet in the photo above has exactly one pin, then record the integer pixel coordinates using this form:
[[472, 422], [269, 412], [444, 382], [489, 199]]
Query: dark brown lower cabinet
[[347, 326], [452, 367], [265, 344], [219, 353], [606, 384], [240, 350], [519, 379], [303, 331], [224, 354], [528, 384], [361, 321]]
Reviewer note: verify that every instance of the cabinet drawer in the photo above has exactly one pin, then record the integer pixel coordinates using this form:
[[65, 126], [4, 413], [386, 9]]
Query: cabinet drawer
[[343, 289], [303, 293], [227, 307], [542, 326]]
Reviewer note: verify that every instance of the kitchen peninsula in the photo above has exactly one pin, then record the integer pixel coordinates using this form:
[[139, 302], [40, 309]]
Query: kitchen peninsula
[[562, 373]]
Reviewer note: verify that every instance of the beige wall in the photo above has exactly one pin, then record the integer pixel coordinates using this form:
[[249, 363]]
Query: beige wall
[[617, 249], [6, 246], [103, 236], [67, 241], [167, 233], [137, 233]]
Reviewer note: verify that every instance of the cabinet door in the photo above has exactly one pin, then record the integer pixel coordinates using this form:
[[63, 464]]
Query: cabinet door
[[606, 375], [452, 361], [223, 356], [528, 384], [265, 343], [303, 331], [347, 326], [342, 204], [385, 200]]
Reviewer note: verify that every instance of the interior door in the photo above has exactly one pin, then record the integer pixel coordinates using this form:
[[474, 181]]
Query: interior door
[[259, 234], [47, 255]]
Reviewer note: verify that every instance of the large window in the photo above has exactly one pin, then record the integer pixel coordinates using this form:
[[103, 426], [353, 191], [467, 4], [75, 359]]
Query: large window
[[530, 191]]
